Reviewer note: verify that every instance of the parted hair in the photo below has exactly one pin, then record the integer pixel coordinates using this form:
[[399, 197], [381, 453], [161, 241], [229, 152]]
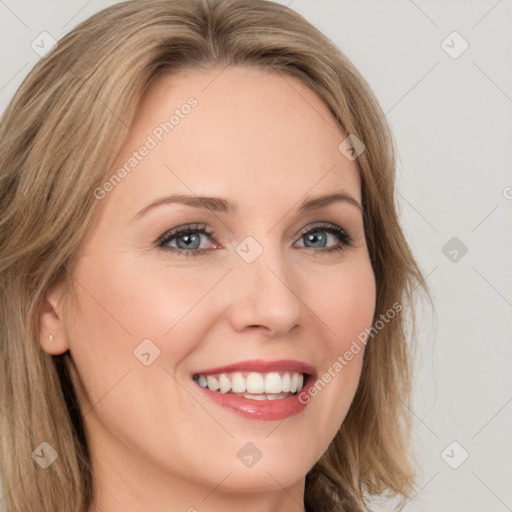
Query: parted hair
[[59, 138]]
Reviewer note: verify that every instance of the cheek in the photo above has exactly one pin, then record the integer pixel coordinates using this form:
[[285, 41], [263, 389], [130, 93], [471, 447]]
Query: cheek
[[123, 305], [130, 301], [152, 300], [348, 307]]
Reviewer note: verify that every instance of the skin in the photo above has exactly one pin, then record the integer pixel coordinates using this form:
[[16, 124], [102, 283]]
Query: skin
[[157, 443]]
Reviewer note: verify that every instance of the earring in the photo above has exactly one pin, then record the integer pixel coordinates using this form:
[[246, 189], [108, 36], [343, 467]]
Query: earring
[[51, 338]]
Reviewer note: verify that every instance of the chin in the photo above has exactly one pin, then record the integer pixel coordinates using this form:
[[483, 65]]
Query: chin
[[262, 478]]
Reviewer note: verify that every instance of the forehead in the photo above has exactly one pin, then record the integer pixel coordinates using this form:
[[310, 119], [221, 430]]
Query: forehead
[[237, 132]]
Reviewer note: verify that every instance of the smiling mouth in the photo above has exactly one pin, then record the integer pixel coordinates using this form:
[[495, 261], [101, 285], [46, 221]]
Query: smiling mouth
[[254, 385]]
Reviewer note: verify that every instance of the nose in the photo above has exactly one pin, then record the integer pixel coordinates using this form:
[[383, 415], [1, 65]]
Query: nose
[[265, 295]]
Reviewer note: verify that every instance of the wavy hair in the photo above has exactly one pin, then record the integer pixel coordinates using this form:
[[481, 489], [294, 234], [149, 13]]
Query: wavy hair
[[59, 137]]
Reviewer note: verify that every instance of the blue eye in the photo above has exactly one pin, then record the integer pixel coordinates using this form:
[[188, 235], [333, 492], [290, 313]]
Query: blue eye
[[188, 239], [317, 236]]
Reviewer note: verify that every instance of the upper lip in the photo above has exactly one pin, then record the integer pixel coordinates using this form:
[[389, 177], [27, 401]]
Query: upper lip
[[262, 366]]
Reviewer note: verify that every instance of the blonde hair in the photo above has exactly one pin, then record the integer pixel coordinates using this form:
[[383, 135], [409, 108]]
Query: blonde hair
[[59, 138]]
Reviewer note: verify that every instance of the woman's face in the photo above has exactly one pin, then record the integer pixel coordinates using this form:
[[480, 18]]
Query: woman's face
[[267, 281]]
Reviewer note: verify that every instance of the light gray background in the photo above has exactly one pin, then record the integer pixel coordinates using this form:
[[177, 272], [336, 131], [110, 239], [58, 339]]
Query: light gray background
[[452, 123]]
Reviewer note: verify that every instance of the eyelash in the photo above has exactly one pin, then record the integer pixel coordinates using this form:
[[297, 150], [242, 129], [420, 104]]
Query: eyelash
[[344, 236]]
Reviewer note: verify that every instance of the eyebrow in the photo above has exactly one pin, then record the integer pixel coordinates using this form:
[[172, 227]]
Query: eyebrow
[[218, 204]]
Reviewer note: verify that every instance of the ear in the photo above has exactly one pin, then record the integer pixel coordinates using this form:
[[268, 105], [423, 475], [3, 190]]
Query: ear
[[53, 334]]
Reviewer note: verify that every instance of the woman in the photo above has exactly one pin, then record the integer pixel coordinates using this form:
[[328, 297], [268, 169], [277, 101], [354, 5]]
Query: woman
[[205, 284]]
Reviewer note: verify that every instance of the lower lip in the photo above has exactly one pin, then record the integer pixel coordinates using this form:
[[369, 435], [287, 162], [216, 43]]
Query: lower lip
[[265, 410]]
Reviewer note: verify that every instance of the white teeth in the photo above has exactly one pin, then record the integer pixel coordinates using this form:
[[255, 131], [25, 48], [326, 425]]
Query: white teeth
[[224, 383], [213, 383], [238, 384], [294, 382], [285, 382], [278, 396], [254, 397], [255, 383], [202, 381], [272, 384]]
